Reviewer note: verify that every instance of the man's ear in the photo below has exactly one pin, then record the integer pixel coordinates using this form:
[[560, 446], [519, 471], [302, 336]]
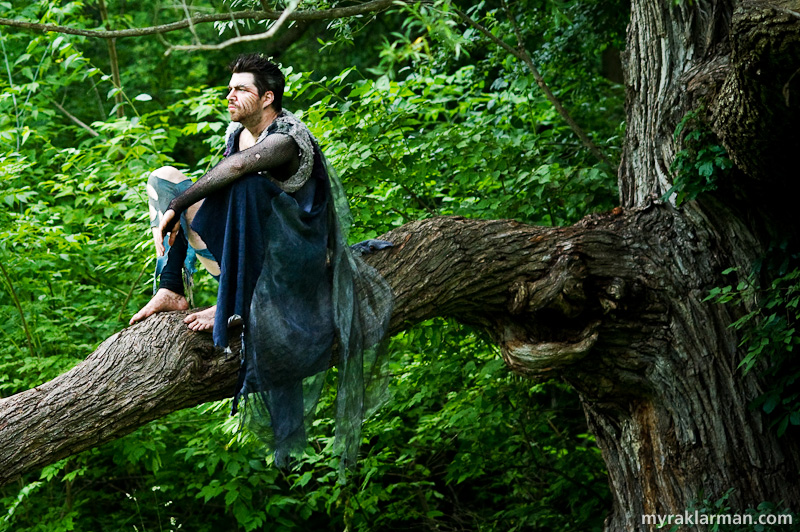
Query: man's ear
[[269, 97]]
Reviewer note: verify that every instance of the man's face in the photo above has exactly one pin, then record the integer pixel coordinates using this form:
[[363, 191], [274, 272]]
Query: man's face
[[244, 104]]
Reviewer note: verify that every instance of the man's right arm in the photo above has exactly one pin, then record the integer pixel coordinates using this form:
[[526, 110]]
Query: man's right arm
[[275, 151]]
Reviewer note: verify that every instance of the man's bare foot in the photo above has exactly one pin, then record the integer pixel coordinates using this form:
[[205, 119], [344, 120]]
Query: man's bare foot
[[201, 321], [164, 301]]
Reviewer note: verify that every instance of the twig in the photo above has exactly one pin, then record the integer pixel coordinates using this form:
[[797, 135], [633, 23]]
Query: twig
[[189, 19], [103, 115], [75, 119], [11, 85], [235, 25], [36, 74], [314, 14], [10, 287], [523, 56], [220, 46], [130, 292], [787, 11], [241, 38], [112, 56]]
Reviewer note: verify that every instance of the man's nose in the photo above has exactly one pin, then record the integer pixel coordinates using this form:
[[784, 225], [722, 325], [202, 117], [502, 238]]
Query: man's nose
[[230, 95]]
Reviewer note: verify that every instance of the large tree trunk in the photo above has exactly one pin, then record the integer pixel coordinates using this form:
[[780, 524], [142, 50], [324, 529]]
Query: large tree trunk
[[614, 305], [688, 430], [683, 427]]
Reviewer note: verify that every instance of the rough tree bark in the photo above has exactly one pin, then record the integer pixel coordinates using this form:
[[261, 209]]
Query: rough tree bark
[[614, 305], [688, 430]]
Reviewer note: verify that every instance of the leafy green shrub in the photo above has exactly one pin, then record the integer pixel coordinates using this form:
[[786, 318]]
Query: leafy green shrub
[[700, 164], [769, 335]]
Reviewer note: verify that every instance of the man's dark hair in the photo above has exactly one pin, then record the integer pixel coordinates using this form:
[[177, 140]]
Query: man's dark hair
[[267, 76]]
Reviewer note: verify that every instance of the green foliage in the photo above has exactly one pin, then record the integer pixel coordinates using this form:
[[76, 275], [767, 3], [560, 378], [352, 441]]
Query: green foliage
[[769, 335], [76, 213], [390, 141], [462, 443], [700, 164], [485, 450], [435, 122]]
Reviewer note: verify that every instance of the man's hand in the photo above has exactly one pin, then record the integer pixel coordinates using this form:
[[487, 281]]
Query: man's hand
[[158, 238], [168, 225]]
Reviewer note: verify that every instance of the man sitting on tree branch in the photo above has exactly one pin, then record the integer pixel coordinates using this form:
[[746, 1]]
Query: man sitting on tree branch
[[264, 222], [255, 103]]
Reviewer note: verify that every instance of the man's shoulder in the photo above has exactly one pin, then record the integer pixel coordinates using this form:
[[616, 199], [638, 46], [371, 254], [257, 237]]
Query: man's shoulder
[[287, 123]]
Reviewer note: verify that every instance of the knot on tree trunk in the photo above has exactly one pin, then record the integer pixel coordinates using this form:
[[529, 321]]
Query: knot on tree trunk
[[535, 341], [613, 294], [525, 355], [560, 290]]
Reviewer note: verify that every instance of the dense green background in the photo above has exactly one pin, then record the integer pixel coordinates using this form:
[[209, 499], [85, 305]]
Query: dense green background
[[422, 118]]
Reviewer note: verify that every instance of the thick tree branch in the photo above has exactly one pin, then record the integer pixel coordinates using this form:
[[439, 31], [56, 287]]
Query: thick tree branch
[[467, 269], [373, 6], [135, 376]]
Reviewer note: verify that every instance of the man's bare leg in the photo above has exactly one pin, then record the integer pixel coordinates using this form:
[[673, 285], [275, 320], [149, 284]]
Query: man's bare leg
[[164, 301], [198, 321]]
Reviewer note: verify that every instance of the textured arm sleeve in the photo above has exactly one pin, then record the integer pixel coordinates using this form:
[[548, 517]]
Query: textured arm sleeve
[[274, 151]]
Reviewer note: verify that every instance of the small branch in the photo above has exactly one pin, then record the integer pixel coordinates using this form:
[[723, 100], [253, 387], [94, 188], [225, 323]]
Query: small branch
[[112, 57], [314, 14], [523, 56], [75, 119], [130, 292], [36, 75], [241, 38], [13, 293], [235, 26], [787, 11], [189, 19], [11, 85]]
